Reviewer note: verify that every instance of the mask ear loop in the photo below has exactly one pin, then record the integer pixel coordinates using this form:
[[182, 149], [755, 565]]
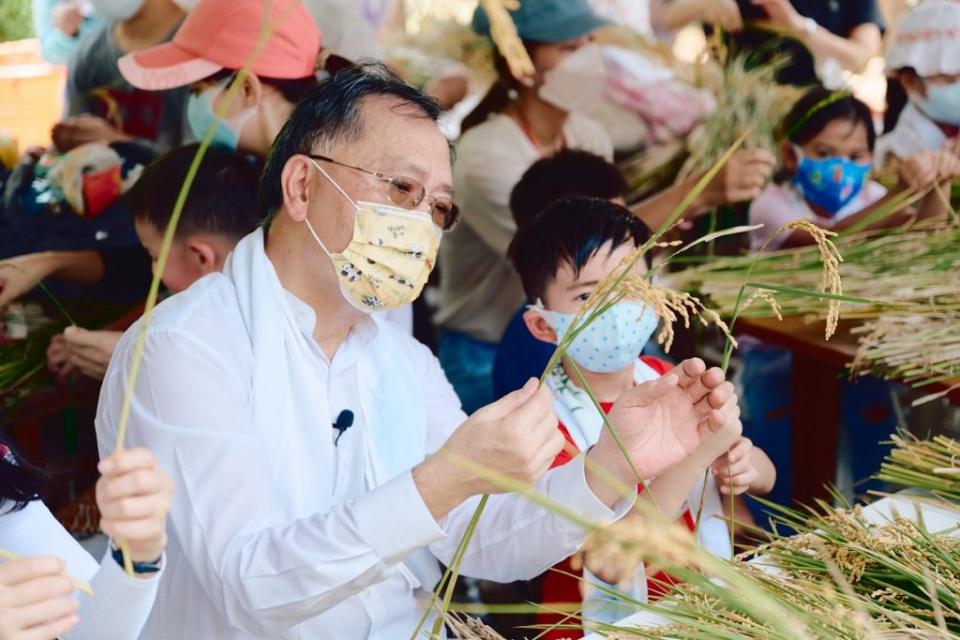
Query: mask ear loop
[[342, 192]]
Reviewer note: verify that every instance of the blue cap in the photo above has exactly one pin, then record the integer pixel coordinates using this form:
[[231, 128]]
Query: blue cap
[[547, 20]]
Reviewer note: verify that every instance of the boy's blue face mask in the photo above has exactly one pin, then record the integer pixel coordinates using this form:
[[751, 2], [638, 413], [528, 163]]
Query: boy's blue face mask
[[830, 183], [611, 342]]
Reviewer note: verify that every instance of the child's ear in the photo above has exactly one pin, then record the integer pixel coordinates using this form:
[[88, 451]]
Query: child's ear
[[789, 156], [538, 327], [204, 255]]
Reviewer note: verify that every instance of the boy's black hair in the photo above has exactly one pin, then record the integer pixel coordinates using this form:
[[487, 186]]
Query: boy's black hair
[[566, 174], [570, 231], [821, 106], [222, 198]]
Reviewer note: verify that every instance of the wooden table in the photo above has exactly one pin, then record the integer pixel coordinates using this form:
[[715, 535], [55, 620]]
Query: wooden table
[[819, 366]]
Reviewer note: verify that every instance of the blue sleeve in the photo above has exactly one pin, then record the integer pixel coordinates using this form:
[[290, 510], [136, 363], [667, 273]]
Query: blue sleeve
[[519, 357]]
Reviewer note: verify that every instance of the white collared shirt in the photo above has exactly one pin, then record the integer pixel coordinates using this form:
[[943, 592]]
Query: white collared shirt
[[274, 531]]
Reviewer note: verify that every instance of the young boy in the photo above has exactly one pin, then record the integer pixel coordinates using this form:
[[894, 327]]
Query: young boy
[[561, 254], [221, 208]]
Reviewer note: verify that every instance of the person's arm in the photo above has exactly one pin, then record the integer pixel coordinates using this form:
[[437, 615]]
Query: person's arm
[[21, 274], [852, 51], [267, 570], [741, 179], [672, 15], [698, 403], [119, 605], [57, 25]]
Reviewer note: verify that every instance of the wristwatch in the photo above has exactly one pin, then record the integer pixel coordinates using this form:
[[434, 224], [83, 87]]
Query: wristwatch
[[809, 26], [138, 567]]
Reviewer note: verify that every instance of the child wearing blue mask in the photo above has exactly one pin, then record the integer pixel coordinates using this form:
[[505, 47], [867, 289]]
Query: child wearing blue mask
[[561, 254], [827, 158]]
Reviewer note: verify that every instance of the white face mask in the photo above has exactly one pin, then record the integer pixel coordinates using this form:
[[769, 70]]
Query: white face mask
[[578, 82], [390, 257], [612, 341], [116, 10]]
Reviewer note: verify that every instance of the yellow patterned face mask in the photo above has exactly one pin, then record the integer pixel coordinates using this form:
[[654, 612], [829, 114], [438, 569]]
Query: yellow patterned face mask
[[390, 257]]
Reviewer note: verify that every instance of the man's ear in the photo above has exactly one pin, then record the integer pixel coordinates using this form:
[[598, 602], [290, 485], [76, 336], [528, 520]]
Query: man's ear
[[296, 182], [538, 327], [204, 255]]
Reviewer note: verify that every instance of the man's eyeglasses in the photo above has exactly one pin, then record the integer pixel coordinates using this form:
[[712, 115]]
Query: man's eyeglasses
[[408, 193]]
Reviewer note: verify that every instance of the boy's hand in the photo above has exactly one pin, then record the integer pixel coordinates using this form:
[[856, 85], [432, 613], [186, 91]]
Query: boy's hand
[[58, 357], [663, 421], [134, 498], [735, 469], [33, 599]]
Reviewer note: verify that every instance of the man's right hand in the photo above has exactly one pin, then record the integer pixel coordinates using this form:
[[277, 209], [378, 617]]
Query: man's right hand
[[516, 436], [34, 602]]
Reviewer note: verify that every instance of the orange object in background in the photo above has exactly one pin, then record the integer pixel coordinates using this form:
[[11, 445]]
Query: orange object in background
[[31, 93]]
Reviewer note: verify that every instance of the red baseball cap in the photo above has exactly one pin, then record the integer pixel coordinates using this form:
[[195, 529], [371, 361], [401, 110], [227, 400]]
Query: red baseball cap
[[223, 34]]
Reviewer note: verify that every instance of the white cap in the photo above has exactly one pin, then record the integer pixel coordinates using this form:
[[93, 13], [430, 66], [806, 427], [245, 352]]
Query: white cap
[[928, 39]]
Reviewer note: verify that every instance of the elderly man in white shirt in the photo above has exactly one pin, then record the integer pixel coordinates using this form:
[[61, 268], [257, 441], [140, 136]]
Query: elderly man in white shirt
[[315, 447]]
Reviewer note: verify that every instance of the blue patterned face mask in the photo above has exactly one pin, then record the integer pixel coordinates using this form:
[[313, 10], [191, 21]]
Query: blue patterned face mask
[[613, 341], [830, 183]]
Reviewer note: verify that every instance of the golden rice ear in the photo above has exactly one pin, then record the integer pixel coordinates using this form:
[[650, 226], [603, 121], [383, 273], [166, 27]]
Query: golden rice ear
[[830, 257], [505, 36]]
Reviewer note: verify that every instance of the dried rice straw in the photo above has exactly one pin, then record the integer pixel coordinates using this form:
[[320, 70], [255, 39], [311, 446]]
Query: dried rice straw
[[504, 34]]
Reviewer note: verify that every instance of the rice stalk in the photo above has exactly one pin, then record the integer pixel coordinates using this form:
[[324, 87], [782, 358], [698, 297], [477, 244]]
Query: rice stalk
[[906, 283], [267, 29], [79, 585]]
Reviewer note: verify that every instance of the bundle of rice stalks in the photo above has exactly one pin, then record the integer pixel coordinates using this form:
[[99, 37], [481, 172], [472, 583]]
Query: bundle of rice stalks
[[749, 103], [842, 575], [933, 465], [907, 283]]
